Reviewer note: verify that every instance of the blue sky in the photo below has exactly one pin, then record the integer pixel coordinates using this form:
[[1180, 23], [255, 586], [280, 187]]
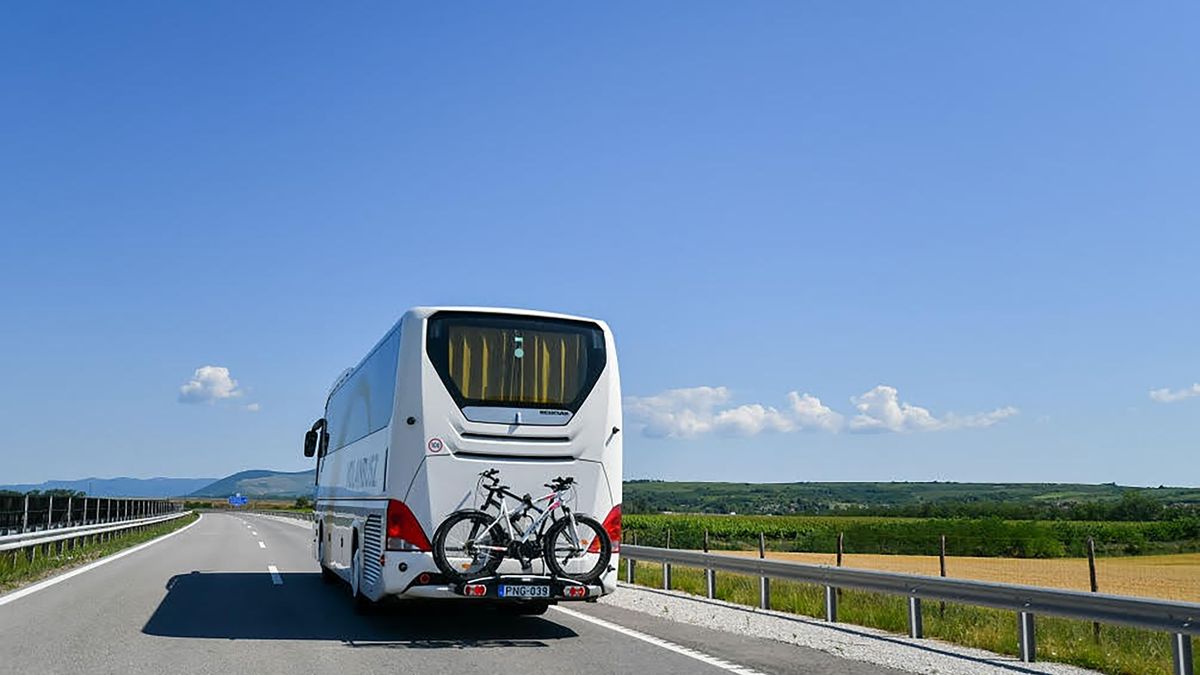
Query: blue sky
[[988, 214]]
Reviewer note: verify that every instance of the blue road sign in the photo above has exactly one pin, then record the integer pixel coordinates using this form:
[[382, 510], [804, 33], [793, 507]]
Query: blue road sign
[[238, 500]]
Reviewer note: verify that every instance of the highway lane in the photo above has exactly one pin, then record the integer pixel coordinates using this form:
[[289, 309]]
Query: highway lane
[[241, 593]]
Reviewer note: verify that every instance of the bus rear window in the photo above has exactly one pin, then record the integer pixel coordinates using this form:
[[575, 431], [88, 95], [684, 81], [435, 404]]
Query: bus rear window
[[514, 361]]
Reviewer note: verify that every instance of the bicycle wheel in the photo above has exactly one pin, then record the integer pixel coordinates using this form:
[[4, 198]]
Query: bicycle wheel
[[465, 547], [581, 552]]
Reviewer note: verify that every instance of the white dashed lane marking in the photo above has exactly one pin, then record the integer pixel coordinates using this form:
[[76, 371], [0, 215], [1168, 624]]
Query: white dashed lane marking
[[659, 642], [275, 578], [261, 545]]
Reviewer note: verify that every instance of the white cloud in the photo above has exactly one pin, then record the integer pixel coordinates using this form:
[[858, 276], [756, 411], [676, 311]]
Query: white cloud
[[810, 413], [252, 407], [751, 420], [208, 385], [1165, 395], [679, 413], [696, 411], [882, 410]]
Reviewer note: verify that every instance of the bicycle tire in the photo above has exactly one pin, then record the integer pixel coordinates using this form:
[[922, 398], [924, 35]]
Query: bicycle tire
[[598, 534], [479, 567]]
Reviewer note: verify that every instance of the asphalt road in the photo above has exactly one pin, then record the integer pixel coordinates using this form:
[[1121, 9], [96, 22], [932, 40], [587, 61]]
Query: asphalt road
[[207, 601]]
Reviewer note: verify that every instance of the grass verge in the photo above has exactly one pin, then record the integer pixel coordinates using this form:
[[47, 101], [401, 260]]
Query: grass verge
[[18, 569], [1120, 651]]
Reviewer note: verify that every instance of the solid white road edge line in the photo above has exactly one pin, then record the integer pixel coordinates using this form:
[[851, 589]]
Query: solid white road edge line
[[17, 595], [659, 642], [261, 545], [275, 578], [253, 533]]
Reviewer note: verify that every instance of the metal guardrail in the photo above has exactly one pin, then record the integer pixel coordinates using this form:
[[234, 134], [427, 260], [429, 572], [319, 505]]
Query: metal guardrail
[[296, 515], [32, 540], [1180, 619]]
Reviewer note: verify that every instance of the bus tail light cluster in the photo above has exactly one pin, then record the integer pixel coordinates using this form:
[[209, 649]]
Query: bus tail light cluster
[[612, 525], [575, 591], [475, 590], [404, 533]]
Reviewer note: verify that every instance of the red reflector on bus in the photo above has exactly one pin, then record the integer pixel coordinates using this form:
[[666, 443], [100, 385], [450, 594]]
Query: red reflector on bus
[[475, 590], [423, 578], [404, 533], [575, 591]]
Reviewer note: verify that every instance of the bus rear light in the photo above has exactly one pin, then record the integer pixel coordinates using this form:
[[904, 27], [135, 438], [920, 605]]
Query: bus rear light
[[612, 525], [423, 578], [475, 590], [404, 533], [575, 591]]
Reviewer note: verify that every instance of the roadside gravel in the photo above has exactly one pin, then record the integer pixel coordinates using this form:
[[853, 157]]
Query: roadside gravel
[[845, 641]]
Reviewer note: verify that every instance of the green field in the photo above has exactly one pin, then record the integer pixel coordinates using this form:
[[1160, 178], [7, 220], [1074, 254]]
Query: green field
[[918, 536]]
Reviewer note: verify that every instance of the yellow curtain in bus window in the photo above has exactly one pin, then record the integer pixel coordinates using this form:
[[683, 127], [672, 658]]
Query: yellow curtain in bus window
[[498, 365]]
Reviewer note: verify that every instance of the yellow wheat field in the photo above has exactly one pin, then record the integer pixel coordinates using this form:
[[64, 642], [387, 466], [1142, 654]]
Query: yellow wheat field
[[1173, 577]]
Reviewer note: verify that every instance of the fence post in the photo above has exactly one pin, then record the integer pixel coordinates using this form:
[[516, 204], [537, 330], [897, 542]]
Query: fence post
[[50, 513], [710, 575], [916, 625], [764, 584], [1026, 637], [667, 566], [1181, 653], [1091, 552], [70, 511], [841, 549], [25, 516]]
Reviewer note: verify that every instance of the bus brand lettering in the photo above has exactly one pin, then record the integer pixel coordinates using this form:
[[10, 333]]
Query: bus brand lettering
[[361, 472], [560, 413]]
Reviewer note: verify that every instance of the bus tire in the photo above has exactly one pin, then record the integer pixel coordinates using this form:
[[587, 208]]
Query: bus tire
[[362, 604]]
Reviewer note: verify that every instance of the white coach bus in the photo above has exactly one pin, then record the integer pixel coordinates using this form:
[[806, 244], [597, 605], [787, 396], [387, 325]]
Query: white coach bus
[[447, 394]]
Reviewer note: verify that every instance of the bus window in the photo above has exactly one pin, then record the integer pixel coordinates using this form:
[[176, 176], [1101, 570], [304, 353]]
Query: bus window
[[498, 360]]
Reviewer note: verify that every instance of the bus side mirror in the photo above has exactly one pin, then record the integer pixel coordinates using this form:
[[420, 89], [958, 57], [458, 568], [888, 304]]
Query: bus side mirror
[[310, 443]]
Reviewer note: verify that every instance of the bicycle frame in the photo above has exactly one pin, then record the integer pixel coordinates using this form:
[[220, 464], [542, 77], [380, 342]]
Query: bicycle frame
[[554, 502]]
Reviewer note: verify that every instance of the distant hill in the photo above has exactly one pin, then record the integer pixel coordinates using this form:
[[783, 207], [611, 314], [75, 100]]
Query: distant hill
[[261, 483], [120, 487]]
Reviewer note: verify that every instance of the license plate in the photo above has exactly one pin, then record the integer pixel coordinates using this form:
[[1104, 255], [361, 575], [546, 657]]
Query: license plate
[[524, 591]]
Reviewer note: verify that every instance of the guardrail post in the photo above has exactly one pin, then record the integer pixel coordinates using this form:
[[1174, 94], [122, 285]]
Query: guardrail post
[[25, 516], [1091, 555], [1026, 637], [1181, 653], [831, 604], [70, 511], [50, 513], [710, 575], [667, 566], [631, 565], [764, 584], [916, 625]]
